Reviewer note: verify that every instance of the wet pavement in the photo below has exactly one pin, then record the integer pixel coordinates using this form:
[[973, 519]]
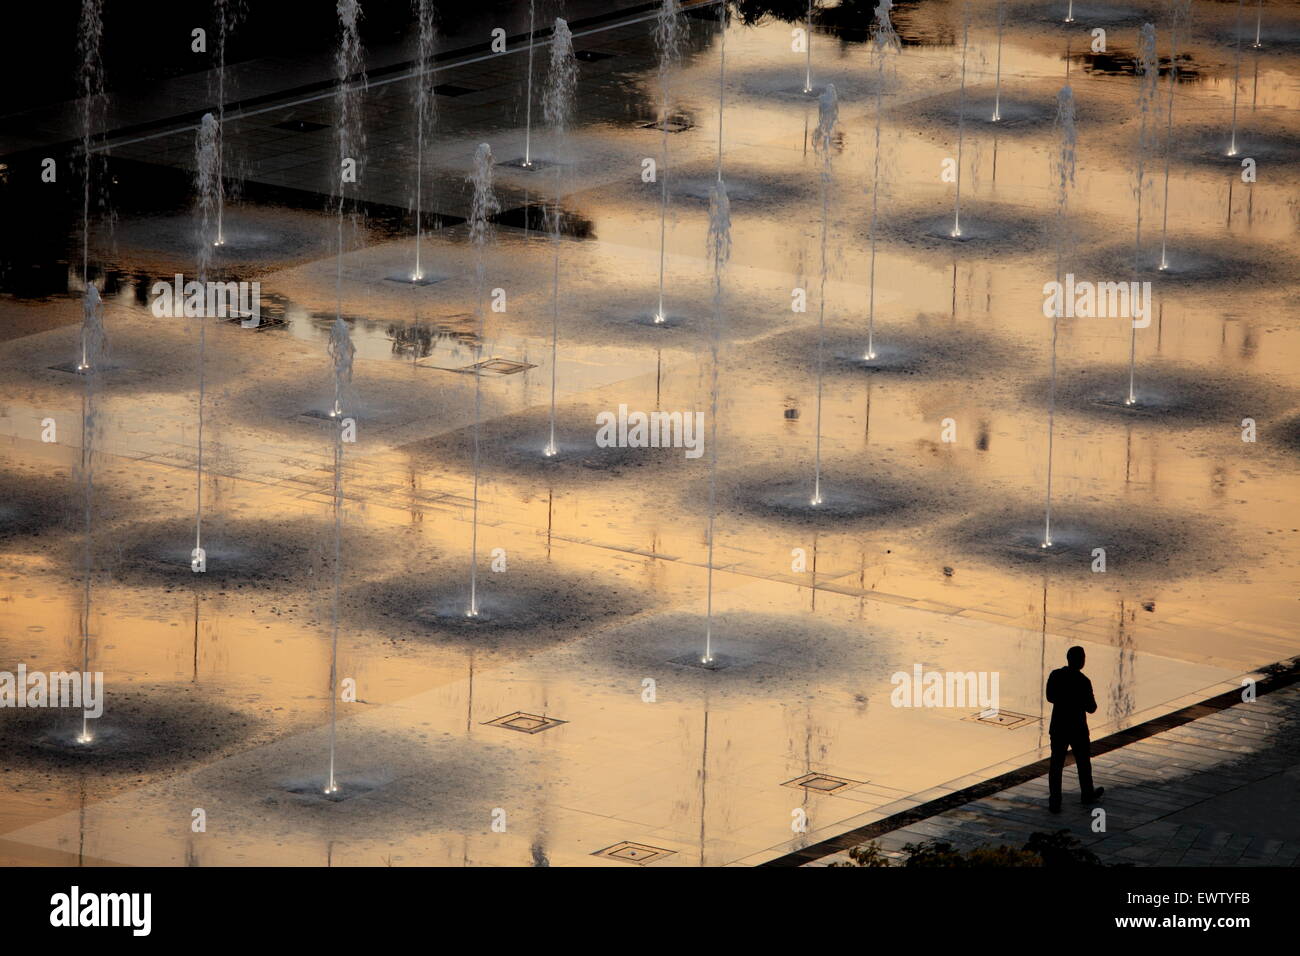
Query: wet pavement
[[572, 723]]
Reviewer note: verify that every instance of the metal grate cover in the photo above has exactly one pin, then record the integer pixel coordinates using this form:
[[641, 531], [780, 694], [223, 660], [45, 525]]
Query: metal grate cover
[[822, 783], [637, 853], [524, 723], [677, 124], [1006, 719], [498, 366]]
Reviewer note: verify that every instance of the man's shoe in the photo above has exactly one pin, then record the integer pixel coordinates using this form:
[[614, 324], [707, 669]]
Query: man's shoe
[[1096, 795], [1054, 808]]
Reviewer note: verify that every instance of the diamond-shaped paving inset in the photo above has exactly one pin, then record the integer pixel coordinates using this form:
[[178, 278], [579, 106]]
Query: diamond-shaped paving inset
[[638, 853], [591, 56], [1006, 719], [822, 783], [497, 365], [676, 124], [524, 723]]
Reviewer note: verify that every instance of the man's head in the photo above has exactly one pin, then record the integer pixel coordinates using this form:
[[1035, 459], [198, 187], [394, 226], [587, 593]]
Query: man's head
[[1075, 657]]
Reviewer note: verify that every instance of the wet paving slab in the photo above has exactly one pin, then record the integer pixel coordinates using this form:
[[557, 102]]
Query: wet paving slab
[[613, 701]]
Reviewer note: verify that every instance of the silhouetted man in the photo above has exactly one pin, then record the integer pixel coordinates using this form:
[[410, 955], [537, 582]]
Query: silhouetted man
[[1070, 694]]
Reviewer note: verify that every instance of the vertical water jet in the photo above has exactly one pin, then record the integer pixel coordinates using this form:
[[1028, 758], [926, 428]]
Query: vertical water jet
[[1178, 10], [1149, 64], [227, 17], [824, 144], [483, 207], [961, 117], [719, 251], [997, 82], [342, 352], [557, 107], [885, 41], [1236, 82], [1063, 170], [807, 48], [350, 136], [424, 102], [718, 247], [722, 78], [668, 42], [208, 186], [528, 97], [94, 342]]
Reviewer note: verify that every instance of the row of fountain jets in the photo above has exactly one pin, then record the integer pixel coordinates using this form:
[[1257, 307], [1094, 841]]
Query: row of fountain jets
[[557, 104]]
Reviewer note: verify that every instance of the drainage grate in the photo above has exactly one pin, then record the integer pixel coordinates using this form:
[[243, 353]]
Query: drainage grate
[[591, 56], [451, 89], [675, 124], [524, 723], [300, 126], [1006, 719], [498, 366], [638, 853], [822, 783]]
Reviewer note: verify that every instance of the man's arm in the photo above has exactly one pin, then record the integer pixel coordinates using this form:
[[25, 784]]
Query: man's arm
[[1092, 701], [1051, 692]]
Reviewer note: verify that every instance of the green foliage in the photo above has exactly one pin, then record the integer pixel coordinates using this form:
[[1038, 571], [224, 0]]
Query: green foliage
[[1042, 849]]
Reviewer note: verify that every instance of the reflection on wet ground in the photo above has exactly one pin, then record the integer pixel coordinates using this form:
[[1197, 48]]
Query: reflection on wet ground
[[574, 703]]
